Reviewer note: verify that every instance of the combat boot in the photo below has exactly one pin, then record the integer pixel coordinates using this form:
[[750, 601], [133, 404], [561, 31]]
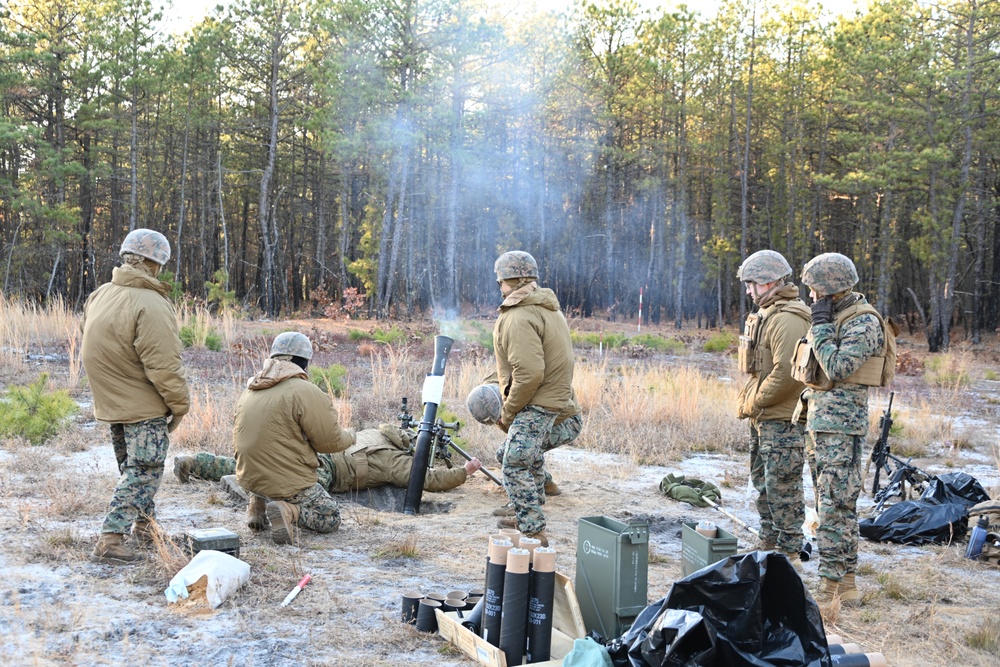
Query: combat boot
[[182, 468], [845, 590], [110, 550], [540, 536], [284, 518], [507, 522], [142, 533], [552, 489], [506, 510], [257, 513]]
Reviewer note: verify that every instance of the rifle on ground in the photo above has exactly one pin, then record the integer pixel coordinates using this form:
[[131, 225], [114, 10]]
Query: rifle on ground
[[899, 476], [441, 433]]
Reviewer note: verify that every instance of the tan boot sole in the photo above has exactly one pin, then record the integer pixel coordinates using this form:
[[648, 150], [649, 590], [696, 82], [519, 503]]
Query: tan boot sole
[[281, 532]]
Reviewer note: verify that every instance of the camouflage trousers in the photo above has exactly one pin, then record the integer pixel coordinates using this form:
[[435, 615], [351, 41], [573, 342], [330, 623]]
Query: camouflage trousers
[[776, 458], [317, 510], [836, 462], [529, 437], [140, 449], [213, 468], [561, 434]]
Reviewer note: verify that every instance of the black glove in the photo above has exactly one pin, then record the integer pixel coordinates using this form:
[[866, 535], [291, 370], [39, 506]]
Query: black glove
[[822, 311]]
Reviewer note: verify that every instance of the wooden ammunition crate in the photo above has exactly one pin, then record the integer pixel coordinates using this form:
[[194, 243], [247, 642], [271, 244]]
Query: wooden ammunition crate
[[567, 625]]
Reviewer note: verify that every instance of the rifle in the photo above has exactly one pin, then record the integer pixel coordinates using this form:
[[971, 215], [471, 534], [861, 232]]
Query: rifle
[[904, 472], [442, 440]]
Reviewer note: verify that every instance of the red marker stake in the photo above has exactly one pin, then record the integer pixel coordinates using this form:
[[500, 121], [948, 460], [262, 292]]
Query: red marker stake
[[295, 591]]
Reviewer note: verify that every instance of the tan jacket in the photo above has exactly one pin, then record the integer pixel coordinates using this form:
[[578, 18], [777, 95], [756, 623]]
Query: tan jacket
[[772, 393], [282, 421], [131, 349], [534, 354], [377, 461]]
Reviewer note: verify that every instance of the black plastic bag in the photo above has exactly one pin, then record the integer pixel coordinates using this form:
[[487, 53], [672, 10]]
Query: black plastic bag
[[759, 609], [918, 522], [619, 648], [679, 639], [954, 487]]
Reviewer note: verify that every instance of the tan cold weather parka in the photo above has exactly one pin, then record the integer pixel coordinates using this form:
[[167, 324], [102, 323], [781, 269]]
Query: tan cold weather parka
[[534, 354], [282, 421], [771, 393], [131, 349], [380, 457]]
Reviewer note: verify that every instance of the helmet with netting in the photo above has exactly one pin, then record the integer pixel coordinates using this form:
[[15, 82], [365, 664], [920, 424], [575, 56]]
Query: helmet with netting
[[484, 403], [292, 343], [829, 273], [764, 266], [147, 243], [515, 264]]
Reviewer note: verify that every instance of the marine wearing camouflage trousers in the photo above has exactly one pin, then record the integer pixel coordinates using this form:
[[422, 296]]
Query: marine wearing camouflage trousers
[[776, 458], [837, 461], [141, 449], [561, 434], [317, 510], [523, 464], [211, 467]]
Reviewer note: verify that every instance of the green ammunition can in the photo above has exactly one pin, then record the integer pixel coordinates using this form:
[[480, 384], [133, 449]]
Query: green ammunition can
[[216, 539]]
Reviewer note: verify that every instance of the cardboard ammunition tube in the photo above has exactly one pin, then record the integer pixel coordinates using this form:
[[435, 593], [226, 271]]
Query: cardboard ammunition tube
[[841, 649], [541, 593], [515, 605], [436, 595], [858, 660], [472, 601], [426, 619], [512, 534], [461, 595], [834, 639], [474, 619], [453, 604], [493, 597], [529, 543], [411, 600]]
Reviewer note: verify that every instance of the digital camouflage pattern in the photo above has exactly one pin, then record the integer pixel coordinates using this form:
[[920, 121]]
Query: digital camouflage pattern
[[317, 510], [844, 408], [147, 243], [836, 461], [764, 266], [484, 403], [776, 458], [140, 449], [524, 465], [515, 264], [562, 433], [829, 273], [292, 343]]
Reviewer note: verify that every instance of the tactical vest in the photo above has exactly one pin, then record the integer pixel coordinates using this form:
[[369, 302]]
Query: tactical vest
[[753, 357], [876, 371]]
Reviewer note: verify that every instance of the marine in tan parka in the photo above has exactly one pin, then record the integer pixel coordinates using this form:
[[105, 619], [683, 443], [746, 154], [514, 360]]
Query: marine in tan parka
[[770, 396], [282, 422], [132, 355]]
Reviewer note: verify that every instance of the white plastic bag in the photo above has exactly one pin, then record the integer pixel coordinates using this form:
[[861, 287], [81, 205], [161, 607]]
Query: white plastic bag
[[225, 575]]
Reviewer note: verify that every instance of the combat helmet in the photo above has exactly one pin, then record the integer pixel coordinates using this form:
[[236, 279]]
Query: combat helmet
[[147, 243], [764, 266], [293, 343], [515, 264], [484, 403], [829, 273]]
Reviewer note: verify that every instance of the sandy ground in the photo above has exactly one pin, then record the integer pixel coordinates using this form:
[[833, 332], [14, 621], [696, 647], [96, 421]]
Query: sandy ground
[[57, 608]]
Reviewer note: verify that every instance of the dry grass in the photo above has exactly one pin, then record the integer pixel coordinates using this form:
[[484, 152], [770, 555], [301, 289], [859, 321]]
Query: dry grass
[[208, 426], [404, 548]]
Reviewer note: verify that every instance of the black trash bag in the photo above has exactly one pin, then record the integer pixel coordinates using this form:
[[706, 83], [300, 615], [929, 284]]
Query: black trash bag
[[760, 611], [619, 649], [679, 639], [954, 487], [917, 522]]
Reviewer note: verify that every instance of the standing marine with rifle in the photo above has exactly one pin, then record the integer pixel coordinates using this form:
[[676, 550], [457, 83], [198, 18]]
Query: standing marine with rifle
[[846, 350], [769, 397], [534, 356]]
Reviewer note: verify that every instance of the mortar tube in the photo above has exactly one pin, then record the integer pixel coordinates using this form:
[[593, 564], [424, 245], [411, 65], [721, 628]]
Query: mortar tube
[[496, 568], [859, 660], [841, 649], [514, 613], [474, 619], [540, 604]]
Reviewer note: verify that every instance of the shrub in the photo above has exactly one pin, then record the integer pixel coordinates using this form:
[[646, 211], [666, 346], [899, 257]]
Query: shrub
[[658, 343], [332, 378], [358, 334], [217, 293], [484, 336], [597, 339], [946, 370], [991, 375], [198, 331], [390, 336], [720, 342], [34, 413]]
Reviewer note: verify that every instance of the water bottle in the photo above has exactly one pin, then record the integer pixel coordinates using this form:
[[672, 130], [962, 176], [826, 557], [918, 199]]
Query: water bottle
[[977, 538]]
